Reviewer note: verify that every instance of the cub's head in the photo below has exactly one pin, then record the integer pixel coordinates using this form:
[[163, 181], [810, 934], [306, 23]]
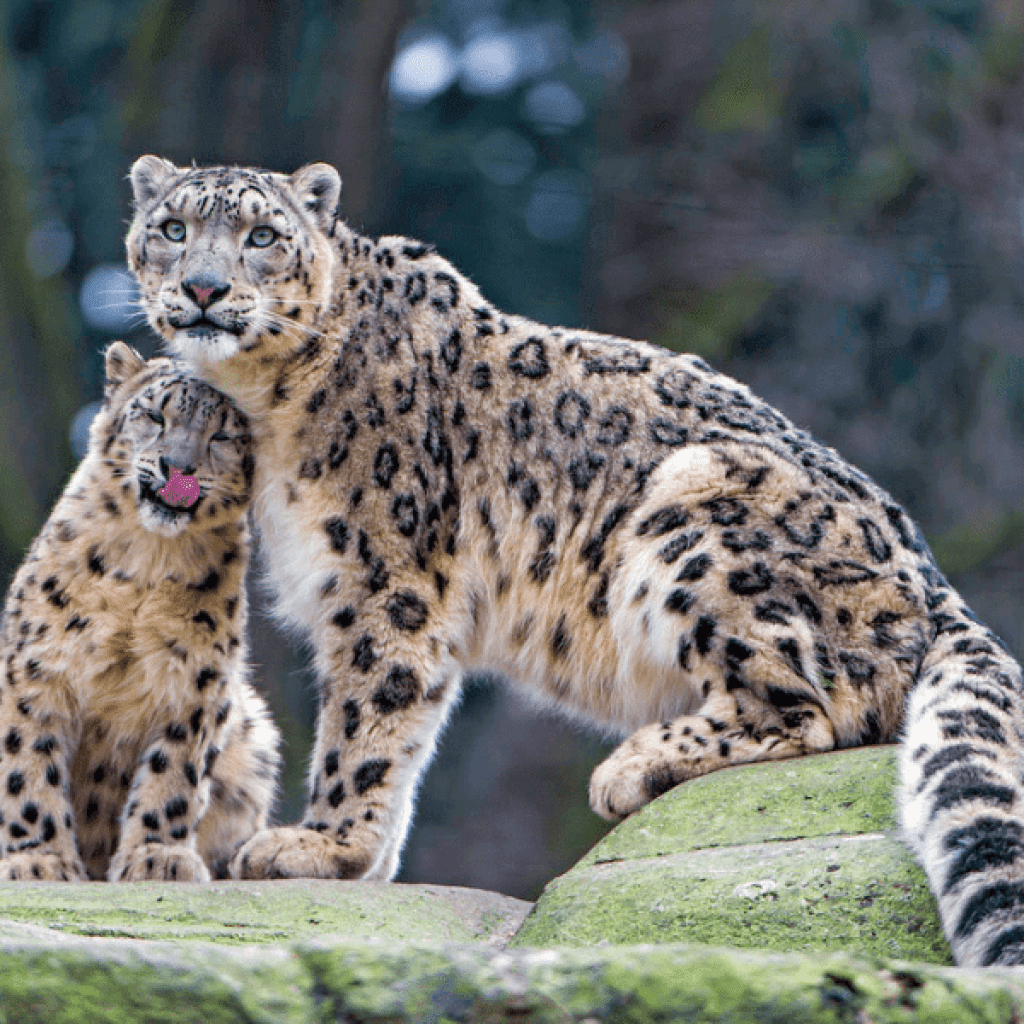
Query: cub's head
[[176, 449], [232, 261]]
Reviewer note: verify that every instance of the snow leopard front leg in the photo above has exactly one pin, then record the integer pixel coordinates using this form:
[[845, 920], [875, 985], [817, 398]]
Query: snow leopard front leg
[[242, 782], [170, 789], [387, 685], [38, 733]]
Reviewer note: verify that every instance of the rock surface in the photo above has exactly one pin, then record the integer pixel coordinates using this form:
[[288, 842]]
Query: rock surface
[[785, 856], [262, 912], [797, 859], [74, 980]]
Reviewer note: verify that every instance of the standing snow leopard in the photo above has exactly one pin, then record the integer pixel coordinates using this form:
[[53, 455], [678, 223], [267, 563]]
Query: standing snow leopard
[[620, 531], [131, 745]]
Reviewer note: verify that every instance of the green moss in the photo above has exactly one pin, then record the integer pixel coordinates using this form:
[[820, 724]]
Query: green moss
[[234, 913], [787, 855], [644, 984], [122, 984], [100, 981], [849, 791], [862, 893], [786, 863]]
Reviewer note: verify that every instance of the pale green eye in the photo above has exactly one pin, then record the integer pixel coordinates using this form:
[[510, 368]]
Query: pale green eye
[[174, 230], [262, 236]]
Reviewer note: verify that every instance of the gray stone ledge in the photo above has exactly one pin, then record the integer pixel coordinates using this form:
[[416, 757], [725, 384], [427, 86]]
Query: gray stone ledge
[[77, 980], [789, 856], [261, 912], [797, 861]]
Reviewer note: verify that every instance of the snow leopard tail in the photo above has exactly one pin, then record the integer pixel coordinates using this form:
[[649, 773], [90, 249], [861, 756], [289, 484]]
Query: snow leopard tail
[[961, 794]]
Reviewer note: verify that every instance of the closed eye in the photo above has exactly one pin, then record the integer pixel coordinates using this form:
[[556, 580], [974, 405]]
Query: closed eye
[[156, 416], [220, 436]]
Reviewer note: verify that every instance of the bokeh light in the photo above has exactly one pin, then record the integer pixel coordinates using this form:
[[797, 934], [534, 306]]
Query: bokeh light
[[504, 156], [423, 70], [109, 299], [553, 107], [48, 247], [557, 205]]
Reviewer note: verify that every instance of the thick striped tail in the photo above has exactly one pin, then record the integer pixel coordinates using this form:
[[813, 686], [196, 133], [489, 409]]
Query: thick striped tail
[[961, 796]]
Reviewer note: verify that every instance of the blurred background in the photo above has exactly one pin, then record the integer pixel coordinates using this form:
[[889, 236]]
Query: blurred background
[[824, 198]]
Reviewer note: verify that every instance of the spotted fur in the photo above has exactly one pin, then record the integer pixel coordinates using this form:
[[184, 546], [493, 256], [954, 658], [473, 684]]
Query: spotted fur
[[131, 745], [622, 532]]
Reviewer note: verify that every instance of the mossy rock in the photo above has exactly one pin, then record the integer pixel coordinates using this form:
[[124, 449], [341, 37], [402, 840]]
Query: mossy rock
[[784, 856], [237, 913], [797, 856], [73, 980]]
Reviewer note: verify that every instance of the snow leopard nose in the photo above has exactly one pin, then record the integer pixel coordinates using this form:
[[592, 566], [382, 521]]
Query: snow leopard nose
[[166, 466], [204, 290]]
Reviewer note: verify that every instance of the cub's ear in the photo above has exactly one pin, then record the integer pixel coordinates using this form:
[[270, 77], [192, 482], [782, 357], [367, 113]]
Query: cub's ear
[[318, 188], [150, 175], [122, 363]]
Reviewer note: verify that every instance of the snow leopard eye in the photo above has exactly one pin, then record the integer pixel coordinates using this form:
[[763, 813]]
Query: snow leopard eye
[[220, 436], [262, 236], [174, 230], [156, 416]]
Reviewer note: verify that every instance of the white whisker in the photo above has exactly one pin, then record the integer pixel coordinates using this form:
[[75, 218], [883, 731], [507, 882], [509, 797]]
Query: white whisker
[[289, 327], [118, 305]]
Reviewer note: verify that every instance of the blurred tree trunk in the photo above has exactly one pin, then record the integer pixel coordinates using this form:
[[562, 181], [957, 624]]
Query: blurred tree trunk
[[356, 139], [38, 390], [267, 85]]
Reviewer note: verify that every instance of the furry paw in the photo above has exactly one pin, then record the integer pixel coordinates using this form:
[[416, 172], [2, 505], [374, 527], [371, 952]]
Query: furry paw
[[633, 775], [619, 789], [41, 867], [155, 862], [290, 852]]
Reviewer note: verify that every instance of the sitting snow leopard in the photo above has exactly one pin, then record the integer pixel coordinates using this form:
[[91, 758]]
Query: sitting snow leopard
[[620, 531], [131, 745]]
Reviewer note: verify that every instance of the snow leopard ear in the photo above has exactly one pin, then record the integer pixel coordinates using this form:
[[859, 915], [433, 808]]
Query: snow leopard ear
[[318, 188], [149, 175], [122, 363]]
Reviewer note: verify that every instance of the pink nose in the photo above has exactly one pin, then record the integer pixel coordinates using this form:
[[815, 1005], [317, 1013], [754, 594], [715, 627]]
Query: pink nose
[[205, 289]]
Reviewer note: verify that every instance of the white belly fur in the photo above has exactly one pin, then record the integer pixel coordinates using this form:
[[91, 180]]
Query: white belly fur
[[291, 551]]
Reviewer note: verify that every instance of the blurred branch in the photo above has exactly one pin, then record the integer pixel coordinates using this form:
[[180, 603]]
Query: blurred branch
[[160, 24]]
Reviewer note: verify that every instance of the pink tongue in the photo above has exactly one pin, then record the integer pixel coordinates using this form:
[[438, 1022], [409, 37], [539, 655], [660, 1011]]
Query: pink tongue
[[179, 490]]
